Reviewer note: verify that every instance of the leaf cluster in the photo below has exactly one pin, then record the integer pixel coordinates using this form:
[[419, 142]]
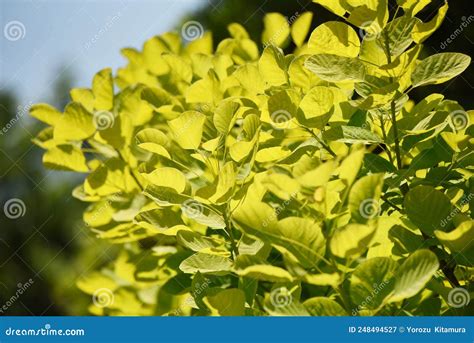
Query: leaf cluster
[[248, 182]]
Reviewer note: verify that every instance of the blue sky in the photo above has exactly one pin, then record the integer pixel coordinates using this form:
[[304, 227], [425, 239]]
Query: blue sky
[[40, 39]]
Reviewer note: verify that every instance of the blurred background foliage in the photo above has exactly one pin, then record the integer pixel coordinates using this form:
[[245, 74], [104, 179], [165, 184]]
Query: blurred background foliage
[[54, 249]]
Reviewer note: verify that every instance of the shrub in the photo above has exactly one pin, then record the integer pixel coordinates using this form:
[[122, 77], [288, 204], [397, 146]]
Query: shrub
[[246, 183]]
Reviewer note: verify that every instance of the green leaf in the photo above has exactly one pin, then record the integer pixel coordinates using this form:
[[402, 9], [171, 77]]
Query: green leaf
[[414, 274], [153, 140], [133, 107], [396, 37], [427, 208], [229, 302], [225, 183], [318, 176], [413, 6], [202, 214], [165, 196], [65, 157], [187, 129], [282, 107], [193, 209], [195, 241], [266, 273], [335, 68], [364, 198], [300, 236], [84, 96], [167, 177], [75, 124], [372, 282], [224, 115], [300, 28], [237, 31], [460, 242], [351, 135], [157, 97], [272, 66], [369, 15], [103, 90], [332, 280], [161, 219], [316, 108], [276, 30], [113, 176], [423, 30], [334, 38], [206, 90], [206, 264], [439, 68], [378, 164], [241, 150], [351, 240], [335, 6], [320, 306], [46, 113], [271, 154], [350, 166]]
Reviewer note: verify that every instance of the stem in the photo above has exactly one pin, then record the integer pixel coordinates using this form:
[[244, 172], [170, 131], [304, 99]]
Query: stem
[[233, 245], [447, 270], [384, 198], [131, 171], [395, 135], [136, 180], [320, 141], [393, 110], [384, 134]]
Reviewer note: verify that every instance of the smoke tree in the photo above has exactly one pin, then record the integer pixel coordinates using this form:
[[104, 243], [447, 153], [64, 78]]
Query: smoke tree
[[246, 181]]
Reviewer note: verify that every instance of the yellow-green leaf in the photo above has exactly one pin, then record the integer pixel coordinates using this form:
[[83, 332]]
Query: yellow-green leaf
[[335, 38], [46, 113], [103, 89], [300, 28], [65, 157], [187, 129], [276, 30]]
